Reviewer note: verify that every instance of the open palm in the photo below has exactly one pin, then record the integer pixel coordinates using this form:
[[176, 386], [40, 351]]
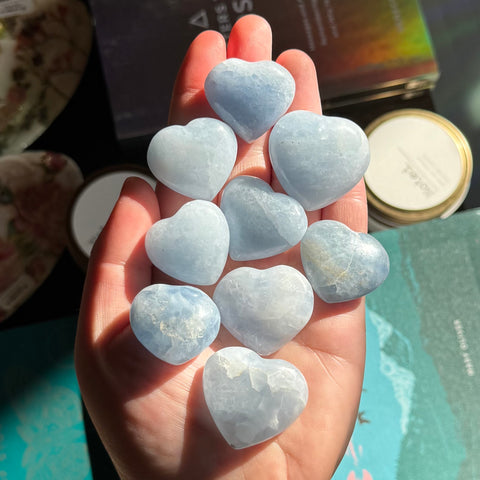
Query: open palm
[[152, 416]]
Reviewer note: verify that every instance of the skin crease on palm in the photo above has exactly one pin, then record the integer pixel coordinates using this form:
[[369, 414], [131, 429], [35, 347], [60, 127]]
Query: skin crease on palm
[[151, 416]]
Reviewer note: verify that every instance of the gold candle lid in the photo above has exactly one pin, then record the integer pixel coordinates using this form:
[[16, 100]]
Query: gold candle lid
[[420, 167]]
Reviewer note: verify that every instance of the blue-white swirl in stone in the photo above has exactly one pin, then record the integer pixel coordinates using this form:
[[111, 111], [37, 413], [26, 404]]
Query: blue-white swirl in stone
[[174, 322], [262, 222], [264, 309], [317, 158], [342, 264], [249, 96], [192, 246], [194, 160], [252, 399]]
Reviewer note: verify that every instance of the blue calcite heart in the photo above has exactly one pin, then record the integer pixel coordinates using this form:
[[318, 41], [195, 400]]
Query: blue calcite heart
[[341, 264], [262, 222], [252, 399], [317, 158], [249, 96], [173, 322], [264, 309], [194, 160], [191, 246]]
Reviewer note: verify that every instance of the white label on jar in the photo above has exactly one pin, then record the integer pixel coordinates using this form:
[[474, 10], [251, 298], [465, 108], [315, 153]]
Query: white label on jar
[[11, 8], [414, 165]]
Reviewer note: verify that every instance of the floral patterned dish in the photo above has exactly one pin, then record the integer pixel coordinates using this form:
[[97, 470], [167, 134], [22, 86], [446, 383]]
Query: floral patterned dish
[[43, 54], [36, 189]]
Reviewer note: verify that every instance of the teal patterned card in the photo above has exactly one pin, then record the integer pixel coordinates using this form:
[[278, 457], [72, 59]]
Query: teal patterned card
[[42, 434], [419, 415]]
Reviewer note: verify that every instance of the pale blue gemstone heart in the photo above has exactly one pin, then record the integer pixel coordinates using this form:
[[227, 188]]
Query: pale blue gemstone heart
[[249, 96], [191, 246], [175, 323], [317, 158], [341, 264], [262, 222], [264, 309], [252, 399], [194, 160]]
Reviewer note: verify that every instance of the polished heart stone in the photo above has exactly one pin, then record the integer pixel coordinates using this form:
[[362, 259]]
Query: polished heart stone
[[194, 160], [191, 246], [249, 96], [173, 322], [262, 222], [317, 158], [252, 399], [341, 264], [264, 309]]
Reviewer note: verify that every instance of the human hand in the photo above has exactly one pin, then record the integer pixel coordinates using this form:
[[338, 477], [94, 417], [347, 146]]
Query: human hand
[[151, 416]]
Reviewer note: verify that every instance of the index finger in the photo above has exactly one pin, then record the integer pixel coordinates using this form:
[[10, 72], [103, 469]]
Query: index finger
[[119, 266], [188, 97]]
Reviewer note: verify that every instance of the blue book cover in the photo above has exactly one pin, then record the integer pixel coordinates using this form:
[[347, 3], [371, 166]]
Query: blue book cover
[[419, 416], [42, 435]]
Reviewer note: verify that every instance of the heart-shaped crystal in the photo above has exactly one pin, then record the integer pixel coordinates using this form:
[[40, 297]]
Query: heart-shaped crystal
[[252, 399], [317, 158], [264, 309], [191, 246], [262, 222], [341, 264], [194, 160], [174, 322], [249, 96]]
